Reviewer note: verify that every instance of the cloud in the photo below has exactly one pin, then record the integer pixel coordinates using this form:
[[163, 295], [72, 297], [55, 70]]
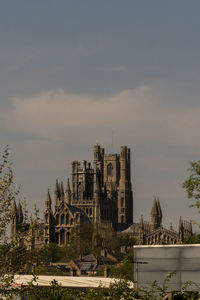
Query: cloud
[[56, 127], [141, 112]]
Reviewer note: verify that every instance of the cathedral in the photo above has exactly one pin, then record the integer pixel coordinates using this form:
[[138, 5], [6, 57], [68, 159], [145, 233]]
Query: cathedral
[[99, 194]]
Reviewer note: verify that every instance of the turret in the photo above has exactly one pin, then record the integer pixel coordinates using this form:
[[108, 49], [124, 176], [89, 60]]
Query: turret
[[62, 194], [48, 201], [159, 213], [48, 220], [155, 215], [97, 199], [68, 193], [57, 193]]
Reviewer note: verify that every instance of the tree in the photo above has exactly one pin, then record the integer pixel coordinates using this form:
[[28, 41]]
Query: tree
[[192, 184], [7, 193]]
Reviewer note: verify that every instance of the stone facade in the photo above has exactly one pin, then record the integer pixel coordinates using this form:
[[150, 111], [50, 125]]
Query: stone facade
[[153, 233], [100, 194]]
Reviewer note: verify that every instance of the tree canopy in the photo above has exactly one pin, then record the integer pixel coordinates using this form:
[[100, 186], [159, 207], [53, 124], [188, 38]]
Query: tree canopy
[[192, 184]]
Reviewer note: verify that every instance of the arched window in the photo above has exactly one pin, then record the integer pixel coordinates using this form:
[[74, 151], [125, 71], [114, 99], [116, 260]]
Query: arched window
[[57, 238], [110, 170], [122, 202], [57, 219], [80, 191], [62, 237], [71, 221], [67, 219], [46, 218], [62, 219]]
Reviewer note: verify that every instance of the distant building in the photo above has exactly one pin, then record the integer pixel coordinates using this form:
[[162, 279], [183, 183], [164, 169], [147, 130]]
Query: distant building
[[100, 194], [153, 233]]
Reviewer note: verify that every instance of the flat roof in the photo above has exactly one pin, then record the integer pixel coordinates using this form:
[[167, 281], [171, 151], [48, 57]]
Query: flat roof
[[167, 246], [66, 281]]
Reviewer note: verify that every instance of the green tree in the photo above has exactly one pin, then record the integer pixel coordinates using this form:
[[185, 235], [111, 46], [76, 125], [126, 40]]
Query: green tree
[[195, 239], [192, 184]]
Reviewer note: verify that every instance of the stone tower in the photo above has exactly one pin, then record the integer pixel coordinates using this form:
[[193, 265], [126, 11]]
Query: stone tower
[[156, 214], [48, 221]]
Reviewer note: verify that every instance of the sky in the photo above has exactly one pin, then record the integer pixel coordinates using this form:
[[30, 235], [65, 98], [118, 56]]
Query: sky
[[74, 73]]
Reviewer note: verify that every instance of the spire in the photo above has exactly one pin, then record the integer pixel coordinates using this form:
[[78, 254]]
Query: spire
[[68, 193], [57, 189], [48, 200], [155, 214], [154, 210], [68, 186], [141, 222], [62, 194], [159, 212], [159, 208], [57, 193], [20, 213]]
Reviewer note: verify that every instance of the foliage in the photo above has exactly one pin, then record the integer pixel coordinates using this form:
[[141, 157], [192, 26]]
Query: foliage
[[7, 193], [51, 253], [195, 239], [192, 184], [123, 270], [120, 290]]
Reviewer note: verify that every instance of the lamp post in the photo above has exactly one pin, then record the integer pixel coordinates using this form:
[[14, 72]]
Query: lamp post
[[137, 262]]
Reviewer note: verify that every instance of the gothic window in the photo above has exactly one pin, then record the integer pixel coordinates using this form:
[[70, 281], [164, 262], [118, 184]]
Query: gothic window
[[87, 211], [57, 239], [80, 191], [110, 170], [122, 202], [57, 219], [46, 218], [68, 236], [90, 211], [67, 219], [46, 230], [71, 221], [62, 237], [122, 219], [62, 219]]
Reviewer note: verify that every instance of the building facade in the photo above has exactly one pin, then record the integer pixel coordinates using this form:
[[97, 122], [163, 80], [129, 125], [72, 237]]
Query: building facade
[[153, 232], [100, 194]]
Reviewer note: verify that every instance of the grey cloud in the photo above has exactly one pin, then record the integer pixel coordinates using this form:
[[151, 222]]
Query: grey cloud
[[65, 126]]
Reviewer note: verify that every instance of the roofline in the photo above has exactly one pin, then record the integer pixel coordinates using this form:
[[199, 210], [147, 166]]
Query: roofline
[[166, 246]]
